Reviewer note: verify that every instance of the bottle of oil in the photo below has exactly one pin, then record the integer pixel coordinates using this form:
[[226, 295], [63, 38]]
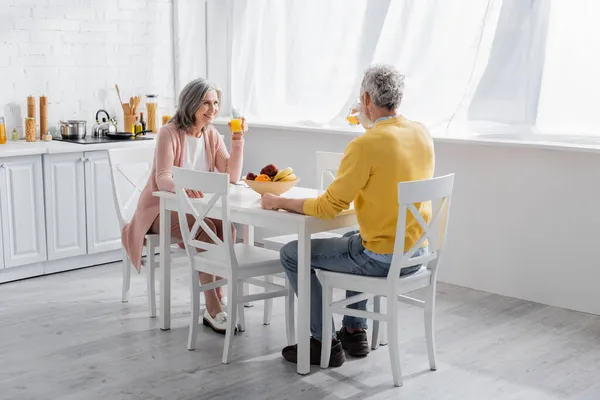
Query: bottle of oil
[[142, 121], [137, 127]]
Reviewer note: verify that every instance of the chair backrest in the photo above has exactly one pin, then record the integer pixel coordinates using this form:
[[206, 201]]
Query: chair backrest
[[327, 166], [438, 193], [215, 187], [130, 170]]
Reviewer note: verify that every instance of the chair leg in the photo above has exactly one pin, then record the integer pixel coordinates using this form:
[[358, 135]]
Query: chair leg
[[234, 305], [268, 304], [430, 326], [290, 331], [126, 267], [376, 309], [383, 341], [195, 308], [394, 346], [247, 292], [151, 280], [327, 324], [239, 292]]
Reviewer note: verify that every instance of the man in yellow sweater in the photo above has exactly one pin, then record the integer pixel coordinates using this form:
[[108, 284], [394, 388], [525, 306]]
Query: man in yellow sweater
[[393, 149]]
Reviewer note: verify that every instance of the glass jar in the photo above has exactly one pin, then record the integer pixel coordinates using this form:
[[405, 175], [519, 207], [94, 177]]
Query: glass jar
[[30, 130], [151, 107], [3, 137]]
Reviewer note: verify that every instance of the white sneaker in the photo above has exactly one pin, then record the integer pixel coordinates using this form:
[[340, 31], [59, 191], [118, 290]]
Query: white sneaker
[[218, 323]]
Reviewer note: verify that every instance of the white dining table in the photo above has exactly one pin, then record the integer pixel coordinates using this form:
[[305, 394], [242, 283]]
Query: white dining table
[[245, 209]]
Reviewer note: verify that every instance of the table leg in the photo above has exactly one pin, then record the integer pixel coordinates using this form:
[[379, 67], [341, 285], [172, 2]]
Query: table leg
[[248, 239], [303, 326], [165, 267]]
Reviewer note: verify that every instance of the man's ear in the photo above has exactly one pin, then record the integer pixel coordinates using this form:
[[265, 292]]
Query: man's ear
[[367, 99]]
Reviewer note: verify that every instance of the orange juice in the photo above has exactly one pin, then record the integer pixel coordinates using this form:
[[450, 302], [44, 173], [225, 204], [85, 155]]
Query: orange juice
[[236, 125], [352, 119], [3, 138], [165, 119]]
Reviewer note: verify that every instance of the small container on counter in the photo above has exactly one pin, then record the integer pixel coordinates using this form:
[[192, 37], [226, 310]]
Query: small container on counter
[[14, 135], [137, 126], [30, 130], [3, 137], [142, 121], [151, 106]]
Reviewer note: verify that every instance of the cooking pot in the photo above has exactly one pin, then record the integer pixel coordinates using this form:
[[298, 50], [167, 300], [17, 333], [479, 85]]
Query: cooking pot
[[72, 129]]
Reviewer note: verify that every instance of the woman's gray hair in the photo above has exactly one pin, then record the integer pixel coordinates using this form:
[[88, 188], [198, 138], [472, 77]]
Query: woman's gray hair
[[384, 84], [190, 99]]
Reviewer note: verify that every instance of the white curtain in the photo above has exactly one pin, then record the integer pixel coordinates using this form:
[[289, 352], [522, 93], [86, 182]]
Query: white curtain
[[570, 86], [295, 61], [442, 47], [301, 61]]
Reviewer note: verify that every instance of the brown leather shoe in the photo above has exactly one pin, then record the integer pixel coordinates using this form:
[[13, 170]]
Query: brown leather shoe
[[355, 343], [337, 358]]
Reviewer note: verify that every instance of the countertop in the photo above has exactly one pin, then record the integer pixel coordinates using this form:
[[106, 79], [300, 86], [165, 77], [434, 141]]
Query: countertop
[[23, 148]]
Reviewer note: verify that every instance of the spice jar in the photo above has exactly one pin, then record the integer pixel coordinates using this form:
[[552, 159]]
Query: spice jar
[[30, 129]]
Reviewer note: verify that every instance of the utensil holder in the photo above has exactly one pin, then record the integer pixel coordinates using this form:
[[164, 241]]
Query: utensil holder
[[128, 121]]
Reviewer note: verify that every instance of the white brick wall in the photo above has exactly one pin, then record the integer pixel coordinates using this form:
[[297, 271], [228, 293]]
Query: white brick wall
[[74, 51]]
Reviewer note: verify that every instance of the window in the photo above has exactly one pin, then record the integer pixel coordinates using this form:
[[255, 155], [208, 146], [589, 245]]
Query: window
[[495, 65]]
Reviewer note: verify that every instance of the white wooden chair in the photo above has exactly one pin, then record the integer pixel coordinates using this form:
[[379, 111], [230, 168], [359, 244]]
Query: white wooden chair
[[327, 165], [439, 192], [129, 172], [236, 263]]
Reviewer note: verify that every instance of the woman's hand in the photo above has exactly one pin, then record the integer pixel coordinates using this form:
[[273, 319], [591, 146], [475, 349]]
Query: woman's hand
[[239, 135], [194, 194]]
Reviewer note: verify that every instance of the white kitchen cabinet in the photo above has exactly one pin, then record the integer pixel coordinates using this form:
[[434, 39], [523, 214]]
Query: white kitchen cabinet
[[64, 178], [103, 232], [22, 210]]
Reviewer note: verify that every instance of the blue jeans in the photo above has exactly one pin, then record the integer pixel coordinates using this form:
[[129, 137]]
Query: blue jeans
[[346, 255]]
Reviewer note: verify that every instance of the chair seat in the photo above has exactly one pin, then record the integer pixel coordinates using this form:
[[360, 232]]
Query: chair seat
[[252, 261], [277, 242], [376, 285]]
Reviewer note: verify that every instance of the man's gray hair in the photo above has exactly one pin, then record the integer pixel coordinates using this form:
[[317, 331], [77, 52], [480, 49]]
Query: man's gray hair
[[190, 99], [384, 84]]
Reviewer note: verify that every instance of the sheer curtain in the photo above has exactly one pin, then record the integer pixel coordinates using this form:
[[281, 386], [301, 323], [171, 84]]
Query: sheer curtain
[[442, 47], [570, 96], [301, 61], [297, 61]]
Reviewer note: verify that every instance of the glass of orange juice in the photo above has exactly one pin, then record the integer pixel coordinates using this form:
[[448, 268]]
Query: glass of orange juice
[[236, 121], [352, 117], [2, 131]]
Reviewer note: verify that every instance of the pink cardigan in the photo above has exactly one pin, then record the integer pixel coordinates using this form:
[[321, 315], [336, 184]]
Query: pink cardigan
[[170, 151]]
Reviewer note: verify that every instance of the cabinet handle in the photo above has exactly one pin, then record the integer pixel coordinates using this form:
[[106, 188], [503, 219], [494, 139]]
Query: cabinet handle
[[2, 165], [87, 159], [81, 159]]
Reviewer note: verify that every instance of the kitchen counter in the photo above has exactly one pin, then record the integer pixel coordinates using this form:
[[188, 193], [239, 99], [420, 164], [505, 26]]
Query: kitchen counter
[[23, 148]]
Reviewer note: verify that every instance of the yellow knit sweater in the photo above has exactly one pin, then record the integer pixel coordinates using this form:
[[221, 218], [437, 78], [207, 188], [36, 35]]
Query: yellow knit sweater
[[394, 150]]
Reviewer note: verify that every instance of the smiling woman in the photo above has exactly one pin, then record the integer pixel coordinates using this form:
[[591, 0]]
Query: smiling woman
[[189, 140]]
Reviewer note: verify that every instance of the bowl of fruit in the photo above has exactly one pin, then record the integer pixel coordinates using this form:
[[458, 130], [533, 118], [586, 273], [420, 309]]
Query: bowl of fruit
[[272, 180]]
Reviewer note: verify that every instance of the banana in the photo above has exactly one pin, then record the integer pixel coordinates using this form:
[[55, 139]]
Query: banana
[[283, 173], [290, 177]]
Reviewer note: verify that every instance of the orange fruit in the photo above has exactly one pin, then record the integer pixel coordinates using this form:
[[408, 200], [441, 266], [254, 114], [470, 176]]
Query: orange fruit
[[263, 178]]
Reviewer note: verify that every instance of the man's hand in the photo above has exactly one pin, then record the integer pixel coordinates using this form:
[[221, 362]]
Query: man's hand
[[270, 201]]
